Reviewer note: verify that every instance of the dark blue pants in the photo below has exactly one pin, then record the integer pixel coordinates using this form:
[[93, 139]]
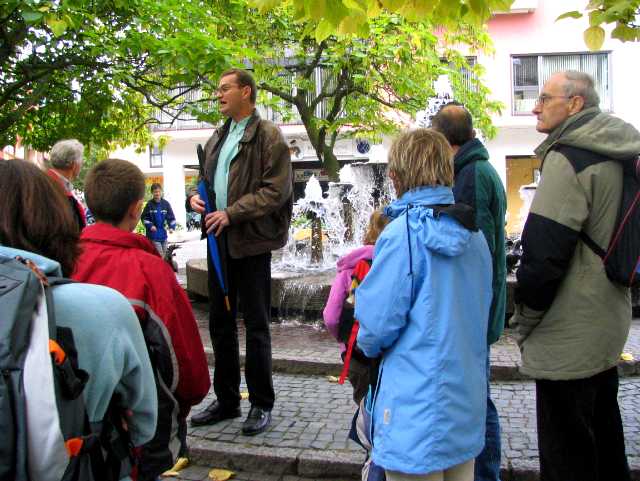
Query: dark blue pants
[[249, 283], [580, 435], [487, 465]]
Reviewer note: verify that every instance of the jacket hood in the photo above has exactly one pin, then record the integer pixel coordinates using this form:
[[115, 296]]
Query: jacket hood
[[109, 235], [596, 132], [350, 260], [46, 265], [471, 151], [439, 232]]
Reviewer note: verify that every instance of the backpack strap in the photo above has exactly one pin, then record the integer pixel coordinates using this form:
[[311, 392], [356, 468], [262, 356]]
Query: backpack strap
[[591, 244]]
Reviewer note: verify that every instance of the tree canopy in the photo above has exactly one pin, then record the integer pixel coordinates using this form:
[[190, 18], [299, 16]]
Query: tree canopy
[[354, 16], [98, 70], [352, 85], [103, 71]]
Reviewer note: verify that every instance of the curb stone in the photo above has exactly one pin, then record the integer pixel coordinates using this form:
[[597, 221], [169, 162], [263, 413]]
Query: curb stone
[[316, 464], [313, 367]]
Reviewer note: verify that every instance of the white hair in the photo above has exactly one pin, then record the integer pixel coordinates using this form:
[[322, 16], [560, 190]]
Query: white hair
[[65, 153], [581, 84]]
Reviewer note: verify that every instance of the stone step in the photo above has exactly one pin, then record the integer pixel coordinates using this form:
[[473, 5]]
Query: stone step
[[311, 418], [303, 348]]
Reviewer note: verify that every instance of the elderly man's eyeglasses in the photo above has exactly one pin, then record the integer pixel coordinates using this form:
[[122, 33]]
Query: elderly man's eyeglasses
[[544, 98]]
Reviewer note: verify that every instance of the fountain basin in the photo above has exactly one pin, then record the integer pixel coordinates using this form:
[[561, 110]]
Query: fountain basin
[[296, 294], [300, 294]]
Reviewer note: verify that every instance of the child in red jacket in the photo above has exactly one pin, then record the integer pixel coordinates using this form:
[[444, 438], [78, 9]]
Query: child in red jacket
[[116, 257]]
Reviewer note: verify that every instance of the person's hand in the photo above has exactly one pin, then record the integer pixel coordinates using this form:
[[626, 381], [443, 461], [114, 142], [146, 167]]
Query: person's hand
[[153, 228], [216, 221], [524, 320], [197, 204]]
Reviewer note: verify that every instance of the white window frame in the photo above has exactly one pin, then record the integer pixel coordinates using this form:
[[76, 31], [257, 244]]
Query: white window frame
[[156, 153]]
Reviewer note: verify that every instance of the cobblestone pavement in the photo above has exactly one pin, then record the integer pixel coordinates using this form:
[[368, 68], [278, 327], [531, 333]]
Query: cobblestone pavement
[[313, 413]]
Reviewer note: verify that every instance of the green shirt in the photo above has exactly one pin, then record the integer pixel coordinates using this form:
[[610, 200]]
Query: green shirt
[[227, 153]]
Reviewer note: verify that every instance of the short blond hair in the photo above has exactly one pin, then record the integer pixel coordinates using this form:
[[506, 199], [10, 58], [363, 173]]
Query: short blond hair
[[377, 223], [420, 157]]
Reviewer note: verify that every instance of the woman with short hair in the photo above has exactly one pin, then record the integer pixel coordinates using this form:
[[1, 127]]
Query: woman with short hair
[[424, 307]]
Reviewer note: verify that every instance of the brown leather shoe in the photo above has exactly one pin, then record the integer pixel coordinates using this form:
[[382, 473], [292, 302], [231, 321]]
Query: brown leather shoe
[[214, 413]]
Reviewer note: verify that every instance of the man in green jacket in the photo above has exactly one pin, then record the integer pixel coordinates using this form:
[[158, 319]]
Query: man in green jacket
[[572, 320], [477, 184], [248, 166]]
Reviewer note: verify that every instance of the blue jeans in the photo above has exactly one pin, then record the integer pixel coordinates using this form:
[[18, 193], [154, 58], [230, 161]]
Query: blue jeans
[[161, 246], [487, 467]]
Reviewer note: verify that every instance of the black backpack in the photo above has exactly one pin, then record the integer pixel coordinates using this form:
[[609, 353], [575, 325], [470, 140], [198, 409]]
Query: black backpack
[[92, 452], [622, 257]]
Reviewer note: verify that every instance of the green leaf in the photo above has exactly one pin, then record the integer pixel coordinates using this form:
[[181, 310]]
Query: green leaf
[[57, 26], [625, 33], [596, 17], [573, 14], [323, 30], [32, 17], [594, 37], [264, 5]]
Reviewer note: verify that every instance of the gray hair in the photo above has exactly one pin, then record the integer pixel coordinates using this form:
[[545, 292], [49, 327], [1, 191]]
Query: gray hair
[[581, 84], [65, 153]]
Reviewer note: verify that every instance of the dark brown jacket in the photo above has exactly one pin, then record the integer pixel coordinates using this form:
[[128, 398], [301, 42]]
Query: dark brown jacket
[[260, 190]]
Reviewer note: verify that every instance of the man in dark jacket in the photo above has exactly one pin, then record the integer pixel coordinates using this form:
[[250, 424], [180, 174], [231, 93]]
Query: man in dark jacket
[[248, 167], [572, 320], [477, 184]]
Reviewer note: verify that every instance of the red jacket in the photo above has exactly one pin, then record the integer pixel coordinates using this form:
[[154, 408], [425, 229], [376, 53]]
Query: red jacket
[[130, 264]]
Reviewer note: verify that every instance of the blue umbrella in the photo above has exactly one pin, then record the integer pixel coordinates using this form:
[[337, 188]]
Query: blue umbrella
[[211, 238]]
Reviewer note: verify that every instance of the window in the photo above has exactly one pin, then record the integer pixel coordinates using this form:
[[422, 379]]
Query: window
[[155, 156], [530, 72]]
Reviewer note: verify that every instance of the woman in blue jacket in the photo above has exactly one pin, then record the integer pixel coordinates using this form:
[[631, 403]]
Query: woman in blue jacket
[[424, 307]]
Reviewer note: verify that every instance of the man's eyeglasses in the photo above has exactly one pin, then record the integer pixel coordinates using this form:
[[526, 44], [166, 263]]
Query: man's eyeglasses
[[225, 88], [544, 98]]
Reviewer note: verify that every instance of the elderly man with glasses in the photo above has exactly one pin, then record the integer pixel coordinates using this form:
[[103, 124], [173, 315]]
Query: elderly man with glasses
[[66, 158], [572, 320], [248, 166]]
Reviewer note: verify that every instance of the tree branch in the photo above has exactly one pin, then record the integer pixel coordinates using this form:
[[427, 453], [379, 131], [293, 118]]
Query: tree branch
[[280, 93]]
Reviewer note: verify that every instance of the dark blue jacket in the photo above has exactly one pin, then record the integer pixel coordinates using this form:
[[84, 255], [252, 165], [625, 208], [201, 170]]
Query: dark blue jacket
[[157, 214]]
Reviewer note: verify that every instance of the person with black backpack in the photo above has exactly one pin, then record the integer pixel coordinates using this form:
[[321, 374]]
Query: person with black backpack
[[572, 311], [77, 393]]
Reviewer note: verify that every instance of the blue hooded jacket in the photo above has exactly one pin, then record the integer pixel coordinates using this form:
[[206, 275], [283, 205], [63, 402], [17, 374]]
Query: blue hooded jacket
[[419, 307], [158, 214]]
